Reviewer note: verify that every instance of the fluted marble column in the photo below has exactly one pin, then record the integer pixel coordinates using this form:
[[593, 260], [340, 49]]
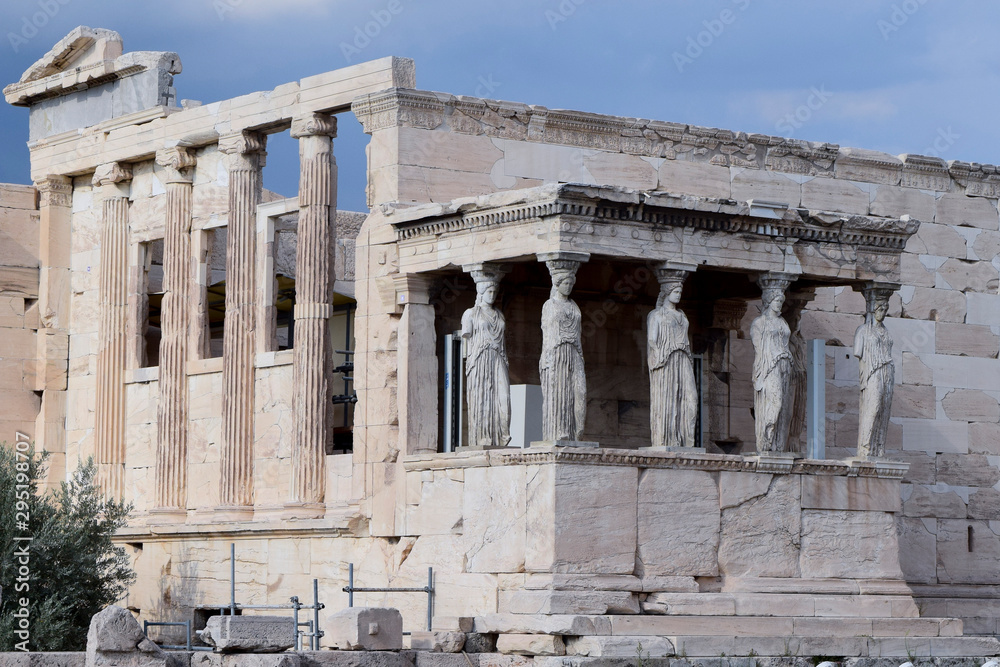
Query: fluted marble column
[[172, 409], [244, 153], [313, 308], [109, 422]]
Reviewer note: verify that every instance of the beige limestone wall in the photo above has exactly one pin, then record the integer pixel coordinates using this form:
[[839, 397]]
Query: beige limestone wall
[[19, 253]]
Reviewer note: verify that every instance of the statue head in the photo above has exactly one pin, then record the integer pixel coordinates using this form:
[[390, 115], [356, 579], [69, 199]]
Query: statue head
[[877, 303], [563, 273], [774, 299], [671, 285], [487, 283]]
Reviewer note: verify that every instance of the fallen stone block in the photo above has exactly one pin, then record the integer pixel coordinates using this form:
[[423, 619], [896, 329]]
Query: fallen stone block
[[249, 634], [369, 659], [437, 642], [116, 640], [366, 628], [478, 642], [531, 644], [54, 659], [453, 623], [638, 648]]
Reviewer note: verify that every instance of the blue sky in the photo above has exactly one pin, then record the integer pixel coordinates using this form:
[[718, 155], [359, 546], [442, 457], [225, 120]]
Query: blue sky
[[897, 75]]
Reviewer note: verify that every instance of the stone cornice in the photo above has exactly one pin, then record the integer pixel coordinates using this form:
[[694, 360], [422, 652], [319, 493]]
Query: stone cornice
[[637, 136], [648, 458], [611, 205], [89, 76]]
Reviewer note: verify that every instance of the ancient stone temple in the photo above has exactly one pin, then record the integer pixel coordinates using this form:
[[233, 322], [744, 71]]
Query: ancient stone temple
[[616, 380]]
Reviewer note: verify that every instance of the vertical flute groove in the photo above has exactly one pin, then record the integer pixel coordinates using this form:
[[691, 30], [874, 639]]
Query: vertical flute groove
[[314, 277], [238, 338], [172, 411], [109, 425]]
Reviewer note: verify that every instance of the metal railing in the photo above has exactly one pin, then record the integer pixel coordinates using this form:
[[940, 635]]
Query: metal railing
[[351, 589], [294, 605]]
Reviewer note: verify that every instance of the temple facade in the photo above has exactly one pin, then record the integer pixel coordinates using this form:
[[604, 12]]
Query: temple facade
[[615, 380]]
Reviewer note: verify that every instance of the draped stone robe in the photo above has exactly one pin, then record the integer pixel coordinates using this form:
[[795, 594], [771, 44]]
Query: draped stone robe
[[873, 348], [487, 378], [564, 383], [672, 390], [772, 367]]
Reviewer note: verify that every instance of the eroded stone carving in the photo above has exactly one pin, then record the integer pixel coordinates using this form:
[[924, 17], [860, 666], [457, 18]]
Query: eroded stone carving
[[873, 348], [487, 379], [772, 366], [673, 393], [564, 382]]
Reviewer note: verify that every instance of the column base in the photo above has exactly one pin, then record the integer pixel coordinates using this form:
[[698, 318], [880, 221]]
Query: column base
[[166, 515], [303, 511], [564, 443], [233, 513]]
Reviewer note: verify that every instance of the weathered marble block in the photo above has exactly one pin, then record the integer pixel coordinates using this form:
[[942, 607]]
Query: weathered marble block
[[678, 523], [366, 628], [250, 634], [581, 519]]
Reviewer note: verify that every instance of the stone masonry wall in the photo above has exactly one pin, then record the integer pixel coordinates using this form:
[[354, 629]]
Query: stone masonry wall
[[946, 319], [19, 312]]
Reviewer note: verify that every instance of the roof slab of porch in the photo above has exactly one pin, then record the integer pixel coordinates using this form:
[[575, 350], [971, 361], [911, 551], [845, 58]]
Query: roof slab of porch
[[748, 237]]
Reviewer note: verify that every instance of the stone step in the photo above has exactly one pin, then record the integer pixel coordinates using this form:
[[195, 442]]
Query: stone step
[[719, 626], [714, 646], [777, 626], [784, 604], [903, 648]]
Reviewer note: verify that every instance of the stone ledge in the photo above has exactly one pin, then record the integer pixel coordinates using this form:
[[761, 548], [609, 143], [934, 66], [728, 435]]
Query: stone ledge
[[647, 457]]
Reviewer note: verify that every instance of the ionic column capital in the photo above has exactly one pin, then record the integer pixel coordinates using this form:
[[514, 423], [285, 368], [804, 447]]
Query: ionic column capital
[[243, 150], [112, 173], [178, 163], [55, 191], [314, 124]]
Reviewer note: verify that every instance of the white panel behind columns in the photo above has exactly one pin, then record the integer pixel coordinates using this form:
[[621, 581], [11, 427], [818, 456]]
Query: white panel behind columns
[[816, 399], [525, 414]]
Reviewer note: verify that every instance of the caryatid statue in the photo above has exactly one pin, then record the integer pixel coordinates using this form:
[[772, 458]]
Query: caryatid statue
[[772, 366], [564, 382], [673, 393], [873, 348], [487, 379]]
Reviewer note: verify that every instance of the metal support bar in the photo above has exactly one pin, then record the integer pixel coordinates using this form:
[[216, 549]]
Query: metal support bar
[[351, 589], [232, 578], [187, 631]]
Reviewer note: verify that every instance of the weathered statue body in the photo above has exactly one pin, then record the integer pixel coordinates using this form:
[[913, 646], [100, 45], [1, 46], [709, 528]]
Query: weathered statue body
[[873, 348], [772, 370], [673, 411], [564, 382], [487, 379]]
